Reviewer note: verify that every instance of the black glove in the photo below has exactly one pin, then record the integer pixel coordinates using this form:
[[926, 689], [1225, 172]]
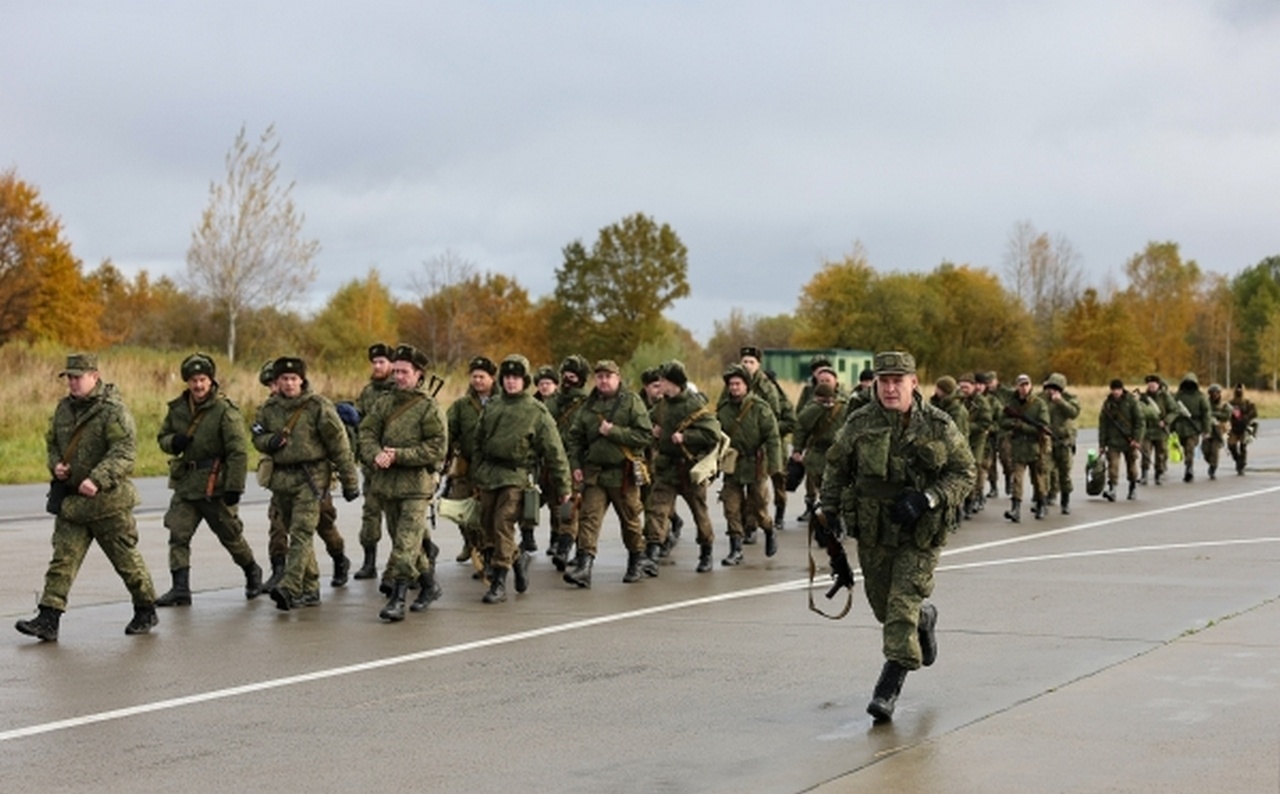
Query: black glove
[[231, 498], [180, 442], [908, 508], [826, 525], [277, 442], [351, 494]]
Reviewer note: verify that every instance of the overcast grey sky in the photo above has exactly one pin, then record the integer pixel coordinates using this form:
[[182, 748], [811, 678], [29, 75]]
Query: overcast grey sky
[[770, 136]]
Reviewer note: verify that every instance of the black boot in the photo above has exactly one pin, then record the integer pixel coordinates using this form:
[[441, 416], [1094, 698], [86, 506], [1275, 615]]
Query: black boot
[[993, 492], [277, 573], [770, 542], [252, 580], [1040, 508], [808, 511], [521, 569], [887, 690], [581, 573], [735, 552], [394, 610], [1066, 504], [341, 570], [649, 562], [673, 531], [527, 541], [180, 594], [1014, 513], [560, 551], [144, 620], [633, 573], [497, 586], [44, 625], [926, 630], [428, 590], [369, 568], [704, 559], [1213, 471], [1190, 474], [1110, 493], [779, 516], [1133, 490], [749, 536], [463, 555], [283, 599]]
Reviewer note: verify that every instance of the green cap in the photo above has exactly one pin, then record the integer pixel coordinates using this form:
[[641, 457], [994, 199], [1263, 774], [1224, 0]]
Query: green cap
[[608, 365], [80, 363], [894, 363]]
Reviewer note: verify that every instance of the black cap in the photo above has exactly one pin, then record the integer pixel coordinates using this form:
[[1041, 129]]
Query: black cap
[[287, 364], [484, 364], [1116, 383], [379, 350], [411, 354]]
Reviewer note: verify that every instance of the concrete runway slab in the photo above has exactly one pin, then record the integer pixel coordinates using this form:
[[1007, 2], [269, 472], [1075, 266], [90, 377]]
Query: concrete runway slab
[[1132, 646]]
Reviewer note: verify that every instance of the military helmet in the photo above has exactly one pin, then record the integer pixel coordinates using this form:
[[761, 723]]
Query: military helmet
[[515, 364], [197, 364]]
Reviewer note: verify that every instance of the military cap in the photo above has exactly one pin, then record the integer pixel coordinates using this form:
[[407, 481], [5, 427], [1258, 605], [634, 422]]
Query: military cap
[[575, 364], [379, 350], [546, 372], [736, 371], [866, 376], [674, 372], [1116, 383], [607, 365], [946, 385], [991, 376], [751, 350], [287, 364], [650, 375], [966, 377], [197, 364], [1153, 378], [823, 391], [1022, 378], [980, 377], [515, 364], [895, 362], [819, 361], [1056, 381], [1215, 387], [411, 354], [80, 363], [267, 373], [482, 363], [821, 370]]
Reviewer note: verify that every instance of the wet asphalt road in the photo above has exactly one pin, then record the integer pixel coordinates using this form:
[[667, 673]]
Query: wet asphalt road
[[1132, 646]]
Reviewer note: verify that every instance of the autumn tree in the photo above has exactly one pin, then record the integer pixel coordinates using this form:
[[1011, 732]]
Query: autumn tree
[[43, 293], [1255, 293], [490, 314], [609, 299], [832, 310], [436, 322], [1045, 275], [1162, 296], [978, 323], [1100, 341], [359, 313], [248, 251], [729, 335]]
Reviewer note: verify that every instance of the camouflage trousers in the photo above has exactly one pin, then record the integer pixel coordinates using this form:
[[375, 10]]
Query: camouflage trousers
[[299, 513], [326, 528], [1155, 450], [897, 581], [596, 500], [1037, 469], [117, 536], [500, 509], [1113, 463], [407, 524], [1211, 449], [744, 506], [1189, 444], [371, 517], [185, 515], [662, 503], [1058, 476]]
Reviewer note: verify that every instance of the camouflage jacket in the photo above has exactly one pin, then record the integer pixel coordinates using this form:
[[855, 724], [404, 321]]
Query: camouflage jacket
[[463, 417], [816, 426], [688, 414], [982, 421], [410, 422], [1196, 404], [878, 455], [217, 458], [953, 407], [514, 437], [753, 430], [1062, 418], [371, 392], [1120, 422], [1158, 411], [104, 452], [606, 460], [1027, 442], [317, 444], [564, 406]]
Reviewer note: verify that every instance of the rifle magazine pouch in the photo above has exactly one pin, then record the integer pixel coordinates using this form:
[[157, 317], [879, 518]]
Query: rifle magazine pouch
[[529, 507]]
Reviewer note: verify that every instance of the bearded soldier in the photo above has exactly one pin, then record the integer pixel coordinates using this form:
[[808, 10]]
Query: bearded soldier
[[896, 477], [91, 444], [204, 432]]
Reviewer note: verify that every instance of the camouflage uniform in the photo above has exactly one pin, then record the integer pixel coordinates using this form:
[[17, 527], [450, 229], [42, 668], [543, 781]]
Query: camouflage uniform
[[207, 474], [611, 469], [1121, 426], [563, 407], [1028, 448], [753, 429], [1063, 410], [1194, 419], [514, 436], [897, 482], [370, 510], [1244, 425], [307, 442], [686, 413], [981, 424], [94, 437], [1159, 409], [1219, 416], [463, 417], [816, 428], [410, 424]]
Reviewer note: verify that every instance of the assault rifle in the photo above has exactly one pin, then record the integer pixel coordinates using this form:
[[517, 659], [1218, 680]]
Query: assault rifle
[[841, 570], [1043, 427]]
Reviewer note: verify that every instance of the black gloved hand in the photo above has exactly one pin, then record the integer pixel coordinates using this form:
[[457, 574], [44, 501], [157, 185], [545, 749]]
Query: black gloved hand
[[180, 442], [908, 508], [231, 498], [826, 526], [351, 494], [277, 442]]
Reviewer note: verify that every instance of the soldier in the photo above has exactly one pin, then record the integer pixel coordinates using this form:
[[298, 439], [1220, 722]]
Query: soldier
[[1159, 409], [862, 394], [1244, 427], [1064, 407], [1121, 428], [515, 435], [606, 449], [463, 417], [981, 421], [1000, 445], [403, 439], [545, 383], [766, 386], [947, 399], [564, 407], [1219, 416], [685, 429], [817, 363], [896, 477], [91, 444], [380, 383], [1025, 421], [305, 438], [815, 430], [1193, 420], [204, 432], [753, 431]]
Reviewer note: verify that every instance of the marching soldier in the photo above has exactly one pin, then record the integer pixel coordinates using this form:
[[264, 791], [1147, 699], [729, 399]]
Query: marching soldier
[[1244, 426], [563, 407], [1159, 409], [1193, 420], [753, 431], [204, 432], [896, 477], [463, 417], [91, 444], [380, 383], [1121, 428], [763, 384], [1025, 420], [1219, 416], [815, 430], [981, 422], [1064, 407]]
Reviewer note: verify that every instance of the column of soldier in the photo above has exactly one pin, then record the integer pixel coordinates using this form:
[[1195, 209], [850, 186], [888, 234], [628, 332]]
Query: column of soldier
[[575, 439]]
